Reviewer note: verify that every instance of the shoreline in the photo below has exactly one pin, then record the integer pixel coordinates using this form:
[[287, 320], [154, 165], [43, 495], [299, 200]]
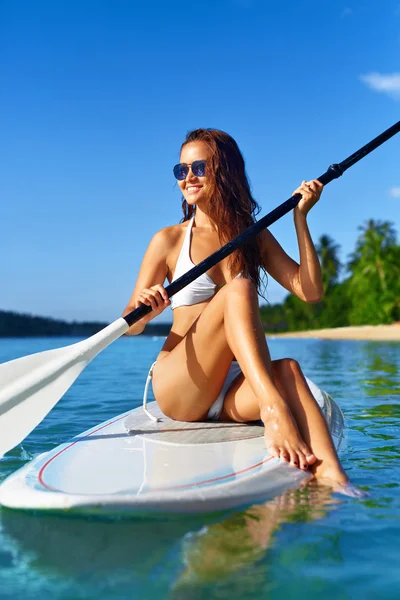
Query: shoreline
[[388, 333]]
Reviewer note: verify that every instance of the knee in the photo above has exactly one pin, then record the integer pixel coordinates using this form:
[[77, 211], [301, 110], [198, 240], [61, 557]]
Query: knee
[[285, 367], [241, 286]]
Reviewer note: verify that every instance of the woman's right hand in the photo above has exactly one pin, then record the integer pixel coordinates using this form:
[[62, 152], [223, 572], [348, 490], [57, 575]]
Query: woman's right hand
[[156, 297]]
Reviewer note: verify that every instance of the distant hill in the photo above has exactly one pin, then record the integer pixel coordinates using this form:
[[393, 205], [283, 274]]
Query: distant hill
[[14, 324]]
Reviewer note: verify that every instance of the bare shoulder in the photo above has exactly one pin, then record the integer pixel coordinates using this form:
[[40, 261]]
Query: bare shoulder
[[167, 243], [169, 236]]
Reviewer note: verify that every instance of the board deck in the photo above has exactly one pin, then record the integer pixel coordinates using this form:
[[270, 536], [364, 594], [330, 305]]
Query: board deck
[[130, 464]]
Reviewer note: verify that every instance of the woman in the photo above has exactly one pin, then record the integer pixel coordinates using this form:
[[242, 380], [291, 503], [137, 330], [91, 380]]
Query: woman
[[215, 362]]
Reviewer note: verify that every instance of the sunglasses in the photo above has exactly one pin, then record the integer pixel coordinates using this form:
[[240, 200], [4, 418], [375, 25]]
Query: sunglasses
[[182, 169]]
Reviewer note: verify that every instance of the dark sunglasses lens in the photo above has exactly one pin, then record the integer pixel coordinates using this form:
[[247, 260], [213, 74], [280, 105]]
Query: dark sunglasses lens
[[180, 171], [199, 168]]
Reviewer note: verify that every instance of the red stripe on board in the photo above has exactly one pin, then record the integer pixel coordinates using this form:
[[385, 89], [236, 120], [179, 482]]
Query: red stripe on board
[[233, 474], [46, 464], [174, 487]]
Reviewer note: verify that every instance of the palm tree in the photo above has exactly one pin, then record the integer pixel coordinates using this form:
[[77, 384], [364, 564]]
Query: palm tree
[[375, 274], [372, 248], [327, 251]]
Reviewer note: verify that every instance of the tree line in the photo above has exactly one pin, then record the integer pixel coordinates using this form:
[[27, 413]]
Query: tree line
[[14, 324], [365, 290]]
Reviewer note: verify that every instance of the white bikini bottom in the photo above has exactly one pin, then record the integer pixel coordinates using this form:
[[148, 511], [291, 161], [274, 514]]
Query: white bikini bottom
[[216, 408]]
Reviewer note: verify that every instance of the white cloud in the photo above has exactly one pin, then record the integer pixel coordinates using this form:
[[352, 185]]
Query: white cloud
[[387, 84], [394, 192]]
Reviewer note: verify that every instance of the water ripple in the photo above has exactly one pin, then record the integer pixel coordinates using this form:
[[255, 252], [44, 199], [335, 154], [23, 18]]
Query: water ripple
[[305, 544]]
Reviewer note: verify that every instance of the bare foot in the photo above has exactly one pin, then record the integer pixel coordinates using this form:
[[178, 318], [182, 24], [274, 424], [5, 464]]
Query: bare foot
[[282, 437], [350, 490], [336, 478], [344, 488], [328, 472]]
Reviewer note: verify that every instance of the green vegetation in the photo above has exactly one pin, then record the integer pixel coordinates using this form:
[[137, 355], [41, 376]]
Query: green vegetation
[[369, 294]]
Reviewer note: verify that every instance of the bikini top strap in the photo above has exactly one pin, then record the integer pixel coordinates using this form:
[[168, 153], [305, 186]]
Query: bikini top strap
[[186, 242]]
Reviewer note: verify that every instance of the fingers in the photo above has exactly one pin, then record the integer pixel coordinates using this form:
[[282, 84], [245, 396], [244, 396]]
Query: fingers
[[315, 185], [162, 291], [149, 298], [156, 297], [310, 188], [310, 194]]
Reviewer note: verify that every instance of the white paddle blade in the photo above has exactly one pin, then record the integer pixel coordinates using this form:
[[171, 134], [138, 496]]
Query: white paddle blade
[[31, 386]]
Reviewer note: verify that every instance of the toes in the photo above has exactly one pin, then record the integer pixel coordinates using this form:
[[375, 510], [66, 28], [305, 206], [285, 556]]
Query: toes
[[273, 450], [284, 455], [303, 462], [297, 459], [294, 459], [310, 457]]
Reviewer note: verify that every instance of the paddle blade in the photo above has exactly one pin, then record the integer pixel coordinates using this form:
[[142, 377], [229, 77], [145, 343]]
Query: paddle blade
[[21, 410], [31, 386]]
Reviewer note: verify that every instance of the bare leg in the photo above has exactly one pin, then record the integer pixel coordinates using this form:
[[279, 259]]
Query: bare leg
[[188, 380], [241, 405], [291, 382]]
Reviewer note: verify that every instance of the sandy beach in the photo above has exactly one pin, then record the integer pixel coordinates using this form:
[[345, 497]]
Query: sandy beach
[[364, 332]]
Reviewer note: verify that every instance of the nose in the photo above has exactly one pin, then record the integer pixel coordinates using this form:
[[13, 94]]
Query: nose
[[190, 175]]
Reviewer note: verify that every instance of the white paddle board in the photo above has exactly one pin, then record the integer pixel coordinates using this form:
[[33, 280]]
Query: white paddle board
[[130, 464]]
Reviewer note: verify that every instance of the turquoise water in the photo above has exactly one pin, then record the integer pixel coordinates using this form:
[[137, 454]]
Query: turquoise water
[[305, 544]]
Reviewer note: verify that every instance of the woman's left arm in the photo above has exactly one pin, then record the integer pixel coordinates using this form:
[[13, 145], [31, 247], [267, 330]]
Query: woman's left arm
[[304, 279]]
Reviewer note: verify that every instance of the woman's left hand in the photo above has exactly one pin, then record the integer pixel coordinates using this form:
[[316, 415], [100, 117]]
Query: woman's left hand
[[311, 192]]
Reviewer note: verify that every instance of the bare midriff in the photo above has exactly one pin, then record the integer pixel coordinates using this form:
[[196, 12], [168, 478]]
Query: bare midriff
[[184, 317]]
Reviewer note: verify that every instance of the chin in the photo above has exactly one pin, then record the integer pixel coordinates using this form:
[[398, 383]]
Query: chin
[[198, 200], [191, 201]]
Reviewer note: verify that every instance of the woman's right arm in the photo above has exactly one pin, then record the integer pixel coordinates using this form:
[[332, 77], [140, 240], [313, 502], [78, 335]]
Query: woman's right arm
[[149, 289]]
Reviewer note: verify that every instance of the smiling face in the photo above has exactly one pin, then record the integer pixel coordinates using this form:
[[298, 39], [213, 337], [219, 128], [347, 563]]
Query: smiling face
[[195, 190]]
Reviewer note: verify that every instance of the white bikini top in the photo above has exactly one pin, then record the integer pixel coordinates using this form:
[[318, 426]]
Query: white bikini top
[[200, 289]]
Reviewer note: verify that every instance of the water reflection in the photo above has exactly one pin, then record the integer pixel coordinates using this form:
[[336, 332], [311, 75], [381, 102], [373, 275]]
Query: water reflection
[[381, 369], [222, 549], [293, 548], [172, 555], [99, 555]]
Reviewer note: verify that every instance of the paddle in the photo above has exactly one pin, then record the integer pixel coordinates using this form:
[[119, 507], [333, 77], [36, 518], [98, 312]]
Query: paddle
[[32, 385]]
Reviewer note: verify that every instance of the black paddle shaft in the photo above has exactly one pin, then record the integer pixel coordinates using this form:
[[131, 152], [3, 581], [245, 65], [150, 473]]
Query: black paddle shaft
[[333, 172]]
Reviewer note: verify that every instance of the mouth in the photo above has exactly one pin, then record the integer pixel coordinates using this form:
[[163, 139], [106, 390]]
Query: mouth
[[193, 189]]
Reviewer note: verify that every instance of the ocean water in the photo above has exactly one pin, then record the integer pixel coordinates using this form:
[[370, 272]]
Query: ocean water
[[306, 544]]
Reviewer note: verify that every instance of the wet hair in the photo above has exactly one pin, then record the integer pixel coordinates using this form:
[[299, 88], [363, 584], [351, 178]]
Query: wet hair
[[231, 205]]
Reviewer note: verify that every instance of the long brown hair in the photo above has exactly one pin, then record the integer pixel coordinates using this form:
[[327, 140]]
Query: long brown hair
[[232, 206]]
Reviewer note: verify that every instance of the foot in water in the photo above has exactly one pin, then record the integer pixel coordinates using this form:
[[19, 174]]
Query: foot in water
[[282, 437], [350, 490], [345, 489], [338, 481]]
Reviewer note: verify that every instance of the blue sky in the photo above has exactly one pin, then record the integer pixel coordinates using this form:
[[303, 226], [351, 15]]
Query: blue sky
[[97, 97]]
